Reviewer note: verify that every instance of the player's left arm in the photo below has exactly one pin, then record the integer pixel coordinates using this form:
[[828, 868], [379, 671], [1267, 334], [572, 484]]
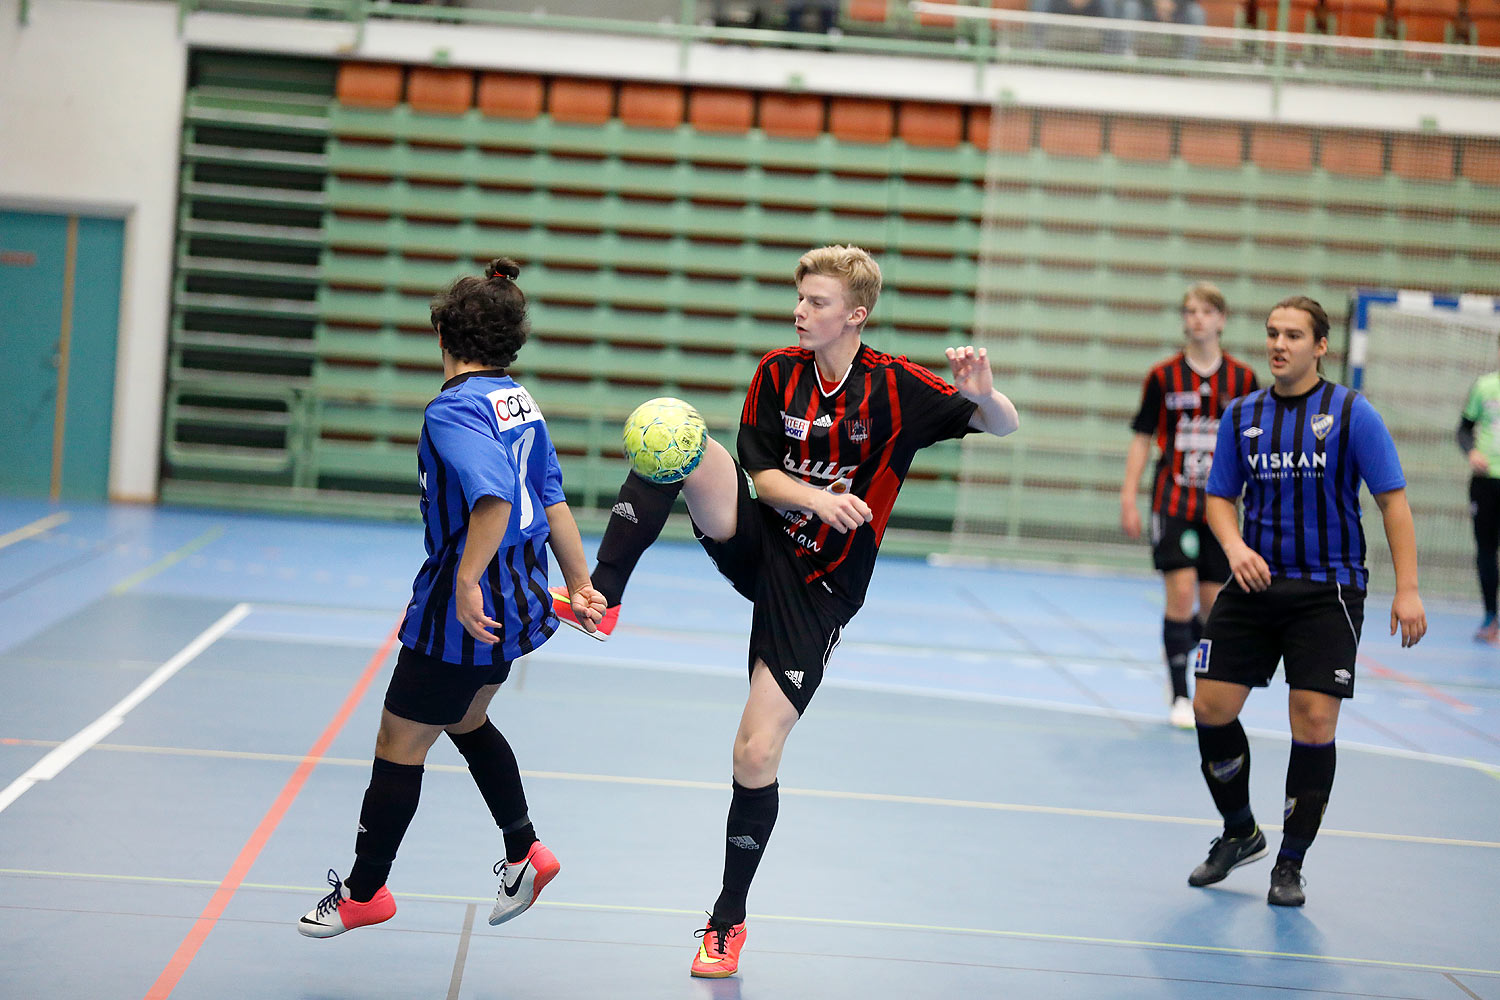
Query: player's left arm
[[976, 382], [1406, 609], [567, 545], [487, 522], [1380, 468]]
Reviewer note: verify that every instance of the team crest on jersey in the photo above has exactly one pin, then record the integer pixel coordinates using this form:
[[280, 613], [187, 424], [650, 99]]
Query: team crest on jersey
[[1321, 424], [859, 430], [513, 406], [795, 427]]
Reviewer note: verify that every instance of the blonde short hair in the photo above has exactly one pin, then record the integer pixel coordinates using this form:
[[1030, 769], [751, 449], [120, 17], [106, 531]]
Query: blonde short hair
[[1205, 291], [851, 265]]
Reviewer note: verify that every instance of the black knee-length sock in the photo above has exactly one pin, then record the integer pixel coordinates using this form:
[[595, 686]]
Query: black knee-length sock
[[1309, 780], [390, 803], [1225, 752], [752, 815], [492, 765], [640, 512], [1177, 639]]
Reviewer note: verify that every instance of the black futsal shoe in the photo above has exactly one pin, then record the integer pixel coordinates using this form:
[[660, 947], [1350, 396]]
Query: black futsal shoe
[[1286, 884], [1226, 854]]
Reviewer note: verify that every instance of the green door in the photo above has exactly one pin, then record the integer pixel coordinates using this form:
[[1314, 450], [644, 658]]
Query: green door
[[60, 283]]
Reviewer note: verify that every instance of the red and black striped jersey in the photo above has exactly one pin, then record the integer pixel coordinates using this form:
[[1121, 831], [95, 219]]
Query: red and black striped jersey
[[1182, 409], [860, 437]]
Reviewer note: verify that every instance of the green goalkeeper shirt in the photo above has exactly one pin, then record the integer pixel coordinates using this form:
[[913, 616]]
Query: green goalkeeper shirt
[[1483, 410]]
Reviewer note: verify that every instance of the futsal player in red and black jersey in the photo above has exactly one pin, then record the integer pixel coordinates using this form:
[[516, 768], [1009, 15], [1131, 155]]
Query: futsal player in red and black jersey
[[826, 437], [1181, 402]]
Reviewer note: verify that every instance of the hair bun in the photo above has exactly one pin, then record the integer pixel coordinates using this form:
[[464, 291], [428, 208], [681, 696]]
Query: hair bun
[[502, 267]]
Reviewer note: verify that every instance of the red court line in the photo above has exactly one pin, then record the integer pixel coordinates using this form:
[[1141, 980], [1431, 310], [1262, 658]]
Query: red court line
[[188, 950], [1381, 670]]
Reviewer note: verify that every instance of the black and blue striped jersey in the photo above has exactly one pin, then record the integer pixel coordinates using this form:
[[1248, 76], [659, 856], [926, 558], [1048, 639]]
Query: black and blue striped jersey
[[483, 436], [1299, 462]]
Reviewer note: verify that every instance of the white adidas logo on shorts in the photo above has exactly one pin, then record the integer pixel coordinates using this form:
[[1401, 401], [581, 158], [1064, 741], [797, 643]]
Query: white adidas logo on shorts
[[795, 676], [626, 511]]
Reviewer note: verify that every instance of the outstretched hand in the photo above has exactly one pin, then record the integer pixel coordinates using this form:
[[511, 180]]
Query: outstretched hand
[[971, 371]]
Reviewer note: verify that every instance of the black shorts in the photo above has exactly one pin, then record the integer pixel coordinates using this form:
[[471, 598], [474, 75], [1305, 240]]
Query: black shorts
[[1312, 627], [795, 625], [1177, 543], [434, 692]]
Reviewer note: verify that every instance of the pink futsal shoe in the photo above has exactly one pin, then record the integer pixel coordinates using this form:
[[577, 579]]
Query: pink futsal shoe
[[337, 913], [562, 605], [521, 884]]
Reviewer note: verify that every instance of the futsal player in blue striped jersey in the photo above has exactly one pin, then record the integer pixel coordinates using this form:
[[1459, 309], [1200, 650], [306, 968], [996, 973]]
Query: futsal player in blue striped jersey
[[1297, 451], [491, 499]]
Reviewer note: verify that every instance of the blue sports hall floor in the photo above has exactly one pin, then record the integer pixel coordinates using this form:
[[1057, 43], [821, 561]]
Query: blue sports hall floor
[[984, 800]]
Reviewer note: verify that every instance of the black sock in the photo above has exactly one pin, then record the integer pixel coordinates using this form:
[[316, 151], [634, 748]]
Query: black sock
[[492, 765], [1177, 638], [640, 512], [1226, 767], [752, 814], [1197, 624], [390, 803], [1309, 780]]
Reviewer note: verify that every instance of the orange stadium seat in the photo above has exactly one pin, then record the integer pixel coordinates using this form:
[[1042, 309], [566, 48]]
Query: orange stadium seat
[[1072, 133], [1275, 148], [714, 109], [977, 130], [1426, 27], [651, 105], [581, 102], [870, 11], [922, 123], [927, 20], [791, 116], [1220, 13], [1353, 154], [440, 91], [860, 119], [510, 95], [1481, 161], [369, 85], [1211, 144], [1012, 135], [1140, 140], [1422, 158]]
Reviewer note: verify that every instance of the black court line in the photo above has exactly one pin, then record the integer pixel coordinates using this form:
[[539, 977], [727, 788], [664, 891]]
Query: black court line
[[1053, 662], [1385, 731], [462, 957], [99, 549], [1454, 980]]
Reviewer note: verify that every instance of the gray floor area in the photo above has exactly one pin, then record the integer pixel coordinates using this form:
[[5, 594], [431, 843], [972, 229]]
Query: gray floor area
[[983, 800]]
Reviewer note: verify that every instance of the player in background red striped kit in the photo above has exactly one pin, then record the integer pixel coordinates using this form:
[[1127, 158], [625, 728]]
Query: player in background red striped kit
[[1181, 402], [827, 434]]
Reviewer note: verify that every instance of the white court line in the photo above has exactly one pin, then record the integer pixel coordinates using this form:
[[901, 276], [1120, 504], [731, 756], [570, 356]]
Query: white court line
[[37, 527], [70, 750]]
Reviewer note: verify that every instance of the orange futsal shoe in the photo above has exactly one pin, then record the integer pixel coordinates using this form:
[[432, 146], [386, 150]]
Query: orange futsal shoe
[[719, 953], [562, 606]]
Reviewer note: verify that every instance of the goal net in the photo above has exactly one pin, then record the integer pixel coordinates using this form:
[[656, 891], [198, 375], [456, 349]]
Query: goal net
[[1415, 355]]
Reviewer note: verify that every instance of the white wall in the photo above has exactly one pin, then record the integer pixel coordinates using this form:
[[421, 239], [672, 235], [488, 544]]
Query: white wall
[[90, 113]]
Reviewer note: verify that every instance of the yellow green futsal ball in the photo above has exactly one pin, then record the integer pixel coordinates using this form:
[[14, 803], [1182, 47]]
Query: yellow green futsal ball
[[664, 439]]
